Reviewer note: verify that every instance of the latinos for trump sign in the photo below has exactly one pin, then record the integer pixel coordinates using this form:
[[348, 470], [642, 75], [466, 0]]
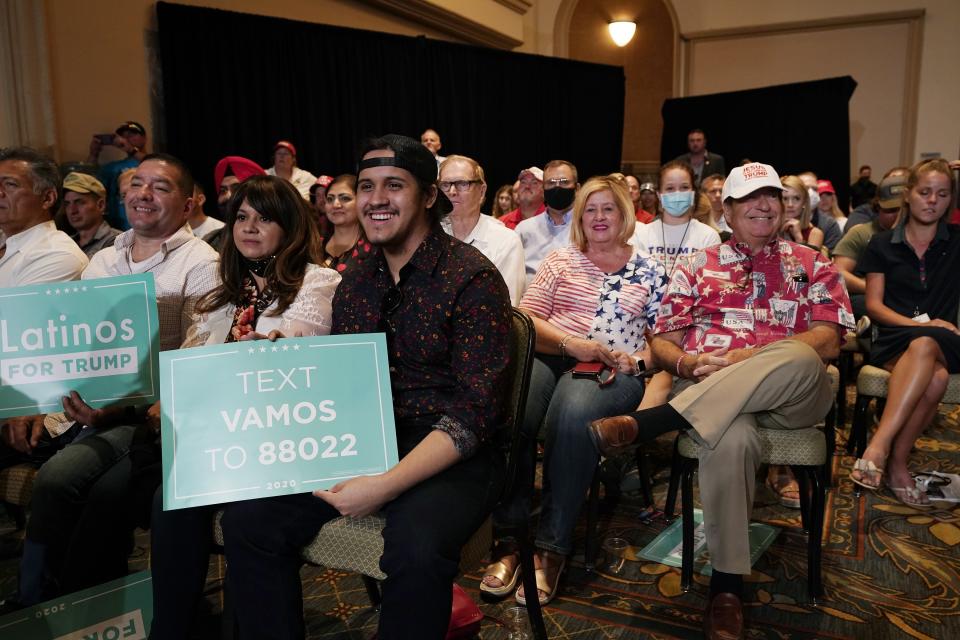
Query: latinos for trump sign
[[253, 419], [96, 337], [117, 610]]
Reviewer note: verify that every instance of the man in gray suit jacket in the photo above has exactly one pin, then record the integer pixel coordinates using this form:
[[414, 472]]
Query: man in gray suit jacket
[[703, 162]]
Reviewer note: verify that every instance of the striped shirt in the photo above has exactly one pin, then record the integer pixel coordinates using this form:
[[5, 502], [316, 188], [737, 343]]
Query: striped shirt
[[614, 309]]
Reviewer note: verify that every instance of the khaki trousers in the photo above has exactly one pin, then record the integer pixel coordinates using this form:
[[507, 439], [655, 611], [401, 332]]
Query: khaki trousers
[[784, 386]]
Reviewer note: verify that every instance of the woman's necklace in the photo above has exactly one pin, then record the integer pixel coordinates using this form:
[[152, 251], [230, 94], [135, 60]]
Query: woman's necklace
[[666, 255]]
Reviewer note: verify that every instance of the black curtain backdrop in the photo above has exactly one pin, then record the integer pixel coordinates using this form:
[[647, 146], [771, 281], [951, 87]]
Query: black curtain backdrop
[[804, 126], [233, 84]]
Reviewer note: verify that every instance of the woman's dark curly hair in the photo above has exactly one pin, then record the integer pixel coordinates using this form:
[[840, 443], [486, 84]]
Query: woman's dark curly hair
[[277, 199]]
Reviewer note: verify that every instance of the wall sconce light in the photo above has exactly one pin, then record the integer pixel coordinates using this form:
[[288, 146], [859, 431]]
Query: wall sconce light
[[622, 32]]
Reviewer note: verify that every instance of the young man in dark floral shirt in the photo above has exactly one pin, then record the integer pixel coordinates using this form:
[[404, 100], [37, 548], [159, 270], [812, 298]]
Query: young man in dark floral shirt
[[446, 313]]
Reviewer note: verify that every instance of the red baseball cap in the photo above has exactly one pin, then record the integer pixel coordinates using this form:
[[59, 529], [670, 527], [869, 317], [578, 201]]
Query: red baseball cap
[[322, 183], [825, 186], [286, 145]]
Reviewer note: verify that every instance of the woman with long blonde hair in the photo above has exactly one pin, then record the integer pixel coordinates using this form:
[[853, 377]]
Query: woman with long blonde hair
[[797, 224]]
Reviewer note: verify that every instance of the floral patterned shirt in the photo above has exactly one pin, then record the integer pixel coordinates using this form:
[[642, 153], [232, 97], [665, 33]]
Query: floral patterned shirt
[[725, 296], [359, 251], [447, 335]]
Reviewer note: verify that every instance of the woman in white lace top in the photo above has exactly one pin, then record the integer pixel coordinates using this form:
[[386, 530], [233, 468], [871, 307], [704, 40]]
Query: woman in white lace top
[[269, 281], [270, 288]]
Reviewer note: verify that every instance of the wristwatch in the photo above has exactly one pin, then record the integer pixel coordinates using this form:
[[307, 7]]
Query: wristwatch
[[639, 366]]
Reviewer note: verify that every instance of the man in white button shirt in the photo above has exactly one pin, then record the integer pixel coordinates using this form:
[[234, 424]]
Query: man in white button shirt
[[184, 268], [33, 251], [462, 179]]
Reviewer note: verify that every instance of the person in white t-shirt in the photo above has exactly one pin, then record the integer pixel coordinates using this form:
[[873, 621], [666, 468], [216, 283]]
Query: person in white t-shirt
[[285, 166], [462, 179], [673, 233]]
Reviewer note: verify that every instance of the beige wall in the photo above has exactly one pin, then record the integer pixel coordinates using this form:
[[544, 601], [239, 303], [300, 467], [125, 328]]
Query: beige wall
[[98, 56], [938, 105], [874, 55], [647, 63]]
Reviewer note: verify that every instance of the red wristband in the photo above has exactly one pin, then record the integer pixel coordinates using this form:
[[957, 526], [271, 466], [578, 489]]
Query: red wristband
[[679, 360]]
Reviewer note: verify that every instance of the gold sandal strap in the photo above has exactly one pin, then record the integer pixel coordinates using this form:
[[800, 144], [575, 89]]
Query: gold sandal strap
[[500, 571]]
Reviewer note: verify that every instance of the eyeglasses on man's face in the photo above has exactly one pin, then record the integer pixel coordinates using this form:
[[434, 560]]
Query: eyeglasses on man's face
[[460, 185]]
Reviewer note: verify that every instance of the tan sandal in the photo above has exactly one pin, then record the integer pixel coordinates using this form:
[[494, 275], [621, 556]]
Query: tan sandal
[[501, 571], [911, 497], [864, 467], [547, 580]]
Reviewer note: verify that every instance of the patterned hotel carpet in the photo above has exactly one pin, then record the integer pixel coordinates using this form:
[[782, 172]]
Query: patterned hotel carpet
[[889, 572]]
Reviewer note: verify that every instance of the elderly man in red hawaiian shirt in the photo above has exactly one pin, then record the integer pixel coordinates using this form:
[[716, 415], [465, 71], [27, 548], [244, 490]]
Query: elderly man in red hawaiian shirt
[[745, 327]]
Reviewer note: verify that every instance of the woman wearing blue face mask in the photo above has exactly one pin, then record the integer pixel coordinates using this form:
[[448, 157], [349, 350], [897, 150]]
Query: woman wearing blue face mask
[[675, 232]]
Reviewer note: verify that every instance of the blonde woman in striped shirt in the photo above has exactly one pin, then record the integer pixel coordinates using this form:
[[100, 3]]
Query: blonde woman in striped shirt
[[591, 303]]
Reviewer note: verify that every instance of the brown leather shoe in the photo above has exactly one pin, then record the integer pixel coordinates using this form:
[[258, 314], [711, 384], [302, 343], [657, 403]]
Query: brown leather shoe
[[723, 619], [613, 435]]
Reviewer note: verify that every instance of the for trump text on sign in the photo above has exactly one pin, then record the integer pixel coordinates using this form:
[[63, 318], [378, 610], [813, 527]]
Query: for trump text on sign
[[96, 337], [253, 419], [116, 610]]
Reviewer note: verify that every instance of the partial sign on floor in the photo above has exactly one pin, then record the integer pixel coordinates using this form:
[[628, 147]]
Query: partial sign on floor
[[117, 610], [97, 337], [667, 547], [257, 419]]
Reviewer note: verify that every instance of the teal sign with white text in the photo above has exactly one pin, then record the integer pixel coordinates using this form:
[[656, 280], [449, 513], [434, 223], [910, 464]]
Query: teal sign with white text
[[96, 337], [117, 610], [249, 420]]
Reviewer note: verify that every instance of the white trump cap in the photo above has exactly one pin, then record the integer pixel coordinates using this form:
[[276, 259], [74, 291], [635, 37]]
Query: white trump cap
[[744, 180]]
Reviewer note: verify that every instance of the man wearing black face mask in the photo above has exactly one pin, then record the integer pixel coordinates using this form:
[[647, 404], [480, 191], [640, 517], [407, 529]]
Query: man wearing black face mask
[[542, 234], [863, 189]]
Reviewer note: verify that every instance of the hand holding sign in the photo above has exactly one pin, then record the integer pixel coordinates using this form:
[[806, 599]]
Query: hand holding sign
[[79, 411], [22, 434], [357, 497], [253, 335]]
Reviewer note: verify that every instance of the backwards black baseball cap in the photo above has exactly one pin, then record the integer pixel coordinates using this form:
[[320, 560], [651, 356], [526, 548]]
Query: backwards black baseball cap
[[410, 155]]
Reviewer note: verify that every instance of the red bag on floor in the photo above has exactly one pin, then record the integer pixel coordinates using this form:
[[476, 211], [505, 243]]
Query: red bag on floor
[[465, 616]]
